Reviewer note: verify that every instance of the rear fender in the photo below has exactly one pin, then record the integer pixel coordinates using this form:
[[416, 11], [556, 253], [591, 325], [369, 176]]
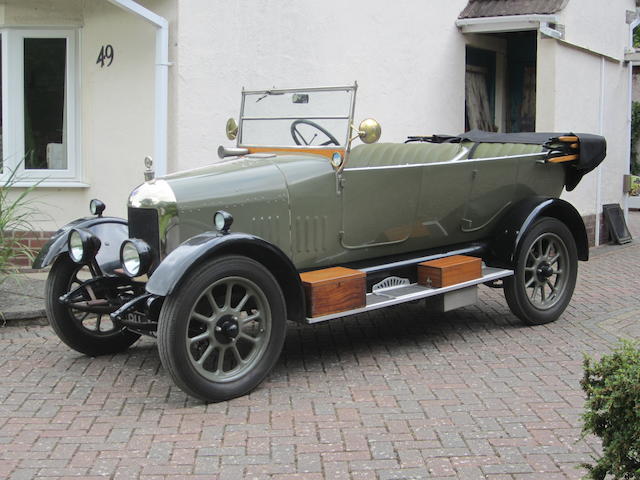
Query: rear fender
[[111, 231], [175, 268], [512, 227]]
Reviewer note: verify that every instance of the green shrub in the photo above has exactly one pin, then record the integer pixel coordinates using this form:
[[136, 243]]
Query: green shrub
[[612, 412], [16, 211]]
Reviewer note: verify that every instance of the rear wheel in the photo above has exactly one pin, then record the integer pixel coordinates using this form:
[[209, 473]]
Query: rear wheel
[[89, 333], [545, 273], [221, 331]]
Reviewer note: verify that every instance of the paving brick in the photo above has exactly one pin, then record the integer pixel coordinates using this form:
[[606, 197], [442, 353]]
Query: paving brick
[[392, 394]]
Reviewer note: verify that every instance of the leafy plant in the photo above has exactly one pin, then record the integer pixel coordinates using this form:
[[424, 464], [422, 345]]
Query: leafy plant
[[612, 412], [16, 212], [635, 136]]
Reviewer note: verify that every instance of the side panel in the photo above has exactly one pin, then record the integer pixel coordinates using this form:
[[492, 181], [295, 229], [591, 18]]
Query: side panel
[[379, 205], [253, 190], [315, 209]]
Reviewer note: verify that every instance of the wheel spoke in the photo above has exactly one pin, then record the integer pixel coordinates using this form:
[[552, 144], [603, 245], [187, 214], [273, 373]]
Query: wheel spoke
[[243, 302], [206, 354], [245, 321], [553, 289], [530, 282], [227, 297], [220, 363], [98, 322], [212, 302], [543, 295], [548, 251], [236, 354], [533, 294], [248, 337], [554, 259], [201, 318], [199, 338]]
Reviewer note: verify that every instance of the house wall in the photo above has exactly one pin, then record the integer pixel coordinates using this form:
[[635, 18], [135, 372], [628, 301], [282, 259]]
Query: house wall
[[583, 86], [115, 103], [409, 62], [41, 12]]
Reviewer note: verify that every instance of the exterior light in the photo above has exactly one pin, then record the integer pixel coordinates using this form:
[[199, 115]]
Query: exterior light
[[82, 245], [336, 160], [135, 257], [96, 207], [222, 221]]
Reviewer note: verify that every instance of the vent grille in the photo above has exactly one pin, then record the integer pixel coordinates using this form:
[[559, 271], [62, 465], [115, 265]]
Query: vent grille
[[143, 224]]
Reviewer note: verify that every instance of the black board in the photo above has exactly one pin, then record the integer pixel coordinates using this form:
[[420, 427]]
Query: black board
[[616, 223]]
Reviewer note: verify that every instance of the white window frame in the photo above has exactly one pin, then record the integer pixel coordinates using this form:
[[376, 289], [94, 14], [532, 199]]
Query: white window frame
[[13, 108]]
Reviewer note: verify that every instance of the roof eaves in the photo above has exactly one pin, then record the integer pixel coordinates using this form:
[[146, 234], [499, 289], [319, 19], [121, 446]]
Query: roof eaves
[[499, 8]]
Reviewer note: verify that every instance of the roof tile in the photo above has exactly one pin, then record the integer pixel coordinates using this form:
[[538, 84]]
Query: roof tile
[[499, 8]]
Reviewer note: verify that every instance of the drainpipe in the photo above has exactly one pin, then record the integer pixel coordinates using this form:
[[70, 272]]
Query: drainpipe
[[599, 170], [161, 94]]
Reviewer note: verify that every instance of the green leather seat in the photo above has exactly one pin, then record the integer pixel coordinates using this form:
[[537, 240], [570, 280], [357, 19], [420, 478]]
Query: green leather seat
[[395, 154]]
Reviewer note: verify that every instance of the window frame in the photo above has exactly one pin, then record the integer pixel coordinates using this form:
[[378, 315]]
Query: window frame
[[13, 107]]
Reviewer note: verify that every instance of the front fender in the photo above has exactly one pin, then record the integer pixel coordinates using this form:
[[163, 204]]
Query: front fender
[[181, 261], [516, 221], [111, 231]]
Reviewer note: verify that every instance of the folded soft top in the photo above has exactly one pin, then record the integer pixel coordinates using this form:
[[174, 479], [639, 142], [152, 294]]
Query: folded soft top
[[592, 148]]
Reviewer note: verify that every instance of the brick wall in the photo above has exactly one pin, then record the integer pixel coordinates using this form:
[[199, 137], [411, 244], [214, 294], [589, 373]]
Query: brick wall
[[35, 240]]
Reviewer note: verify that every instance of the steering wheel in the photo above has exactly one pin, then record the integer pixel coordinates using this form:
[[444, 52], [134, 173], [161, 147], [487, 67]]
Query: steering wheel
[[300, 140]]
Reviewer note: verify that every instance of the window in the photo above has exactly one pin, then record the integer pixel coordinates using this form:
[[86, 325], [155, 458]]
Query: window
[[39, 120]]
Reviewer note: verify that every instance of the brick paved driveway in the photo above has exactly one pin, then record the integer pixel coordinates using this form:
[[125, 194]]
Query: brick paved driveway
[[392, 394]]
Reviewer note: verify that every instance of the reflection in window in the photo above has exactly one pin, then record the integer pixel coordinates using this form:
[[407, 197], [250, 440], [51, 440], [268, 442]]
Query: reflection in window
[[45, 136]]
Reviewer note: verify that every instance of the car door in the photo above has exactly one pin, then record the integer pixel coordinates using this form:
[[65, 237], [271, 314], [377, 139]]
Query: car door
[[379, 205]]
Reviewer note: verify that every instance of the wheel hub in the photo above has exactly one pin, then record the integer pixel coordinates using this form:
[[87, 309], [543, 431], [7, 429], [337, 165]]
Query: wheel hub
[[544, 271], [226, 329]]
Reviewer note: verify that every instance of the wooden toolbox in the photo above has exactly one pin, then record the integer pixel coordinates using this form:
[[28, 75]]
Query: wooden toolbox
[[333, 290], [447, 271]]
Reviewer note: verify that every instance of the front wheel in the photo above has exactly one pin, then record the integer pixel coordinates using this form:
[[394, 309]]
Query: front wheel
[[89, 333], [221, 331], [545, 273]]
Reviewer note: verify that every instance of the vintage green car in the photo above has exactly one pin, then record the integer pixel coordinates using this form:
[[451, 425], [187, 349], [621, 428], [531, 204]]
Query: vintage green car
[[210, 260]]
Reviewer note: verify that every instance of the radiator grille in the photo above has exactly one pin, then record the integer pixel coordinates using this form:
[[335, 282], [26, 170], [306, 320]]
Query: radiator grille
[[143, 224]]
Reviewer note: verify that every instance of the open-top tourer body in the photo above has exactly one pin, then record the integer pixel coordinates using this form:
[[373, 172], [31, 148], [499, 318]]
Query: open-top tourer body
[[213, 261]]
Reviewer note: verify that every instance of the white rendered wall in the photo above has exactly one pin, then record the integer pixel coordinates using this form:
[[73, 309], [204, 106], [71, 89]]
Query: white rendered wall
[[41, 12], [598, 25], [570, 90], [408, 59], [116, 104]]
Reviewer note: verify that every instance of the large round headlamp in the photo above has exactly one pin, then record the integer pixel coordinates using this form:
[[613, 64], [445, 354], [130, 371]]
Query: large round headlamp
[[135, 257], [82, 245]]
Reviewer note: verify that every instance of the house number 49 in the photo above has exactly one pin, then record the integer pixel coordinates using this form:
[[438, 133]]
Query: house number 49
[[105, 57]]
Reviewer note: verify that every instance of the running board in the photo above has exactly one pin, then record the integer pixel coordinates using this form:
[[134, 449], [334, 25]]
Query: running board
[[408, 293]]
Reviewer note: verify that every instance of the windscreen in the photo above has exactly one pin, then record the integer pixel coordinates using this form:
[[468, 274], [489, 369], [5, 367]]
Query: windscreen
[[315, 118]]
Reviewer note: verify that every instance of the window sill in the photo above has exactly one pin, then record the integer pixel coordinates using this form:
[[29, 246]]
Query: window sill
[[48, 184]]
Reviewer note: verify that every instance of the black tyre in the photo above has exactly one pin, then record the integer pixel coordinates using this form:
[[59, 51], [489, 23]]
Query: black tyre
[[222, 330], [545, 273], [88, 333]]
